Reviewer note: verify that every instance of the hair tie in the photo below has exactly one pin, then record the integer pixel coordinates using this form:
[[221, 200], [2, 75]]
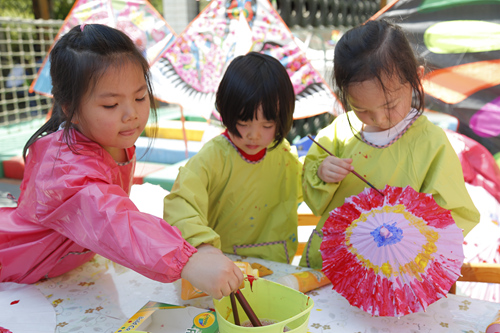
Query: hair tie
[[82, 26]]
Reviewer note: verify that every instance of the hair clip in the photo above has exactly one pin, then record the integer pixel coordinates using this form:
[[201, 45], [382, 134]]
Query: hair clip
[[82, 26]]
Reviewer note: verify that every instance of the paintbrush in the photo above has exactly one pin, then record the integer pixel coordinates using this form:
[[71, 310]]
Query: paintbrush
[[248, 310], [354, 172], [235, 310]]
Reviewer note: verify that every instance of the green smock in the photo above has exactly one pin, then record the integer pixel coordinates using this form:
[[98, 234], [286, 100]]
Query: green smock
[[245, 208], [422, 158]]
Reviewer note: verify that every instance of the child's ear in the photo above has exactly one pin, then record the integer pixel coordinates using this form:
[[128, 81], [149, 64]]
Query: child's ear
[[74, 119], [420, 71]]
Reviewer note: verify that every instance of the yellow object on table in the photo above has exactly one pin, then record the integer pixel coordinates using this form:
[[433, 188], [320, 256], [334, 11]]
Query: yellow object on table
[[159, 317]]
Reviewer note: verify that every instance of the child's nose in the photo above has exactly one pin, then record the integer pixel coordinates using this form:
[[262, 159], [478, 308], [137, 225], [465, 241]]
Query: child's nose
[[130, 113], [253, 134]]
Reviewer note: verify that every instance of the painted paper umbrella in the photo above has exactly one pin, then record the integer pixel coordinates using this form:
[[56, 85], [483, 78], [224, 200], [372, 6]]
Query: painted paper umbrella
[[460, 42], [190, 70], [391, 255], [137, 18]]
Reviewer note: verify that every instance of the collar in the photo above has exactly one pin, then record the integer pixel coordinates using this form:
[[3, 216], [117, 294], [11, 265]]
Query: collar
[[247, 157], [386, 138]]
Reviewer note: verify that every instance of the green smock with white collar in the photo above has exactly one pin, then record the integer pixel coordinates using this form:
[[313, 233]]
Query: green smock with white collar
[[422, 158], [248, 209]]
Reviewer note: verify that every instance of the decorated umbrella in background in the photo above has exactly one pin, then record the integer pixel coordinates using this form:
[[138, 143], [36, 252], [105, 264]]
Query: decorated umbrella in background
[[190, 70], [391, 255], [460, 42], [137, 18], [478, 165], [482, 244]]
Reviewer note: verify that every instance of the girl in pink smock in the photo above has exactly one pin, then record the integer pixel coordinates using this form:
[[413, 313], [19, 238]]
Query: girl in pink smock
[[240, 192], [74, 198]]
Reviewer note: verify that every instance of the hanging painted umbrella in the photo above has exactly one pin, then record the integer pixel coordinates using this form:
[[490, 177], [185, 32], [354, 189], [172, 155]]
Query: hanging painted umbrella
[[190, 70], [137, 18], [391, 255]]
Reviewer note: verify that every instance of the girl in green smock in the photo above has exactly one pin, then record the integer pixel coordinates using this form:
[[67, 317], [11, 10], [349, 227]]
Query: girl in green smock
[[240, 192], [385, 137]]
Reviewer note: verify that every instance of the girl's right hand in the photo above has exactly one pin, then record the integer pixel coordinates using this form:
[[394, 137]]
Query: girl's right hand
[[212, 272], [334, 169]]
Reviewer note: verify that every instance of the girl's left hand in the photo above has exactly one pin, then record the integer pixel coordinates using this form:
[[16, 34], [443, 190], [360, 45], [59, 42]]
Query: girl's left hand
[[334, 169]]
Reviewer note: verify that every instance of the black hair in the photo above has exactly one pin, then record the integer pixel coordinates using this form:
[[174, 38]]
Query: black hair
[[77, 62], [254, 80], [374, 50]]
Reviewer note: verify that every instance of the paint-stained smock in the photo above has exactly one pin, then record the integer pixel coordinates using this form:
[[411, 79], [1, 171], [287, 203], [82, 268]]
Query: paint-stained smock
[[245, 208], [73, 205], [422, 158]]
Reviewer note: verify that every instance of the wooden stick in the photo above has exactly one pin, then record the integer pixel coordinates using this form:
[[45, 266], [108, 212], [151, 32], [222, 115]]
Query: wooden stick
[[354, 172], [248, 310], [235, 310]]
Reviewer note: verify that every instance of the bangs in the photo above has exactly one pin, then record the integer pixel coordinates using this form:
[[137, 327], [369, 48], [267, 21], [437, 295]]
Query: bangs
[[269, 107]]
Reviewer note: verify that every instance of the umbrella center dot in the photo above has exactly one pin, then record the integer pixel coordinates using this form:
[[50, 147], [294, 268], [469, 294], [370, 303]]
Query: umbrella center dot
[[387, 234]]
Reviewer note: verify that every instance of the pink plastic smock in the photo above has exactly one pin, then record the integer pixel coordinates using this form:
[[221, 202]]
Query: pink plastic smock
[[74, 204]]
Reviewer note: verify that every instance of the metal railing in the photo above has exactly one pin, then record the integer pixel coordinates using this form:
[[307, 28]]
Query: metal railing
[[327, 13]]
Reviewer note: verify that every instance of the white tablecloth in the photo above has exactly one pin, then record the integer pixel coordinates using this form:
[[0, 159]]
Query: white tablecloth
[[101, 295]]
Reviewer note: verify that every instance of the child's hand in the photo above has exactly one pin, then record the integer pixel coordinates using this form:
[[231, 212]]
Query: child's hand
[[334, 169], [212, 272]]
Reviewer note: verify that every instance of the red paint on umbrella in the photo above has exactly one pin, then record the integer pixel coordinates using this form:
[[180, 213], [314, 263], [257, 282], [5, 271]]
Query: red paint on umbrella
[[391, 255]]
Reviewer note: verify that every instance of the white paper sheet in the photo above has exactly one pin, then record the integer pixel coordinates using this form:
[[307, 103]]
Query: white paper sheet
[[24, 309]]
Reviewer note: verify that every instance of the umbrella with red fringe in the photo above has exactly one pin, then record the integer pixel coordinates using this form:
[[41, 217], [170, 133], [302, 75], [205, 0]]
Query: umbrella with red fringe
[[391, 255]]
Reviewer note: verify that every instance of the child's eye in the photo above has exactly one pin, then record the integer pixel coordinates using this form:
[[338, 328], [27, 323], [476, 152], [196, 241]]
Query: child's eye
[[141, 99], [240, 124], [109, 106]]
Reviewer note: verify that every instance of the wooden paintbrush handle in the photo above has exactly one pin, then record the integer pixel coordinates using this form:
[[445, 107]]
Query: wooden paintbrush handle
[[354, 172], [235, 310], [248, 310]]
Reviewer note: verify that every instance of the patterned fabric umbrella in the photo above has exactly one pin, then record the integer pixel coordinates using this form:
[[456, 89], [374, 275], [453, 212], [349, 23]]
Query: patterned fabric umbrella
[[460, 42], [137, 18], [391, 255], [190, 70]]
